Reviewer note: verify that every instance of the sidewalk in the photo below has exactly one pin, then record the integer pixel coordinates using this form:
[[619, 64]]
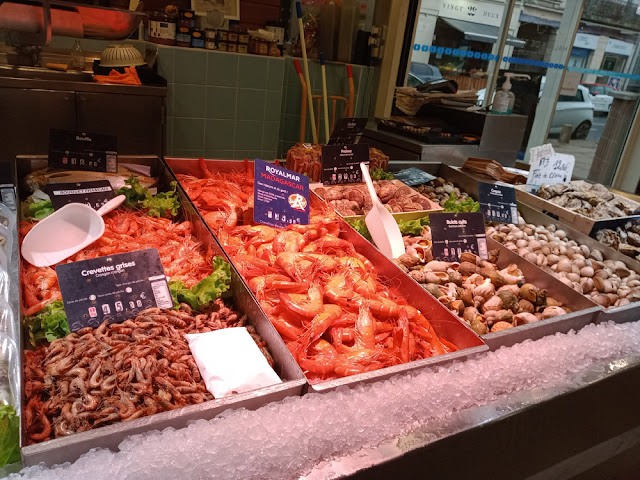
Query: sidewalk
[[583, 150]]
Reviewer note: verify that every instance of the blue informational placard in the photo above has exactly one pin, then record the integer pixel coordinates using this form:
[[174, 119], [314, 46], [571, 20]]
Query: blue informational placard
[[413, 176], [280, 196]]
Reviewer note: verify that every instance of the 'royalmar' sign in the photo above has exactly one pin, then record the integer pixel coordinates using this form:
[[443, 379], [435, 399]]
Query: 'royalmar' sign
[[472, 11]]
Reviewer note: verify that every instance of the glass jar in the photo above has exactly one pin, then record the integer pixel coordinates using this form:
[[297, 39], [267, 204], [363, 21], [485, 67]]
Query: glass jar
[[162, 28], [183, 37], [234, 29], [187, 19], [197, 39]]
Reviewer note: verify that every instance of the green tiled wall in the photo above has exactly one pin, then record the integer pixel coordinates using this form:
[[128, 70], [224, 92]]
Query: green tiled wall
[[228, 105], [222, 105]]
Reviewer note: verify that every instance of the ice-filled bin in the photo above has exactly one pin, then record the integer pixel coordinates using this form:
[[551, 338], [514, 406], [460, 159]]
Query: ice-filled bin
[[69, 448], [443, 321]]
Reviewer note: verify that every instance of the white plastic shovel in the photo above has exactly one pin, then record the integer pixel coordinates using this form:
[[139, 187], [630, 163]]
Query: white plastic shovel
[[65, 232], [382, 226]]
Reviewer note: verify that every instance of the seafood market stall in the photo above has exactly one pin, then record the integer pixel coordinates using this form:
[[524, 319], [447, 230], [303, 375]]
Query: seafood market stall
[[419, 361], [56, 434]]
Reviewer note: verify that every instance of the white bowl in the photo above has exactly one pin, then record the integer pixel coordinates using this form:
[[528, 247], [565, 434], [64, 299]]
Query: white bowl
[[121, 56]]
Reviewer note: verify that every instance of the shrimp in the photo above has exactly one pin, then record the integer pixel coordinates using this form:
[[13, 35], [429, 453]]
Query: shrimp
[[288, 241], [220, 218], [317, 327], [328, 243], [307, 305], [285, 327], [275, 282], [323, 297], [360, 361], [303, 266], [339, 292], [366, 329], [256, 235], [403, 340], [203, 168]]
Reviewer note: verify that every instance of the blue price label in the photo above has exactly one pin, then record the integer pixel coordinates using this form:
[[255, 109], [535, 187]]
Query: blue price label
[[280, 196]]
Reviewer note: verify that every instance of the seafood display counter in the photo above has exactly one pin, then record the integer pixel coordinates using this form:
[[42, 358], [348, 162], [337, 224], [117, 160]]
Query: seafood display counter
[[327, 309], [351, 358], [108, 433]]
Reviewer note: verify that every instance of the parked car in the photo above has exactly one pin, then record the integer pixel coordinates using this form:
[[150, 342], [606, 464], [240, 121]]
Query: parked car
[[575, 110], [420, 73], [600, 96]]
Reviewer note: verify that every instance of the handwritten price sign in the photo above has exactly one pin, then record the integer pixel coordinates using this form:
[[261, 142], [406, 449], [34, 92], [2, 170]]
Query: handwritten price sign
[[548, 168]]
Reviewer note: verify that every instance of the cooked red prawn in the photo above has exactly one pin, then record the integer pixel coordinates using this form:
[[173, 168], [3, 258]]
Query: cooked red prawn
[[182, 256], [335, 314]]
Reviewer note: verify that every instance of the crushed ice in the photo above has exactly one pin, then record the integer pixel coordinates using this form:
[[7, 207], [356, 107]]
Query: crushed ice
[[287, 439]]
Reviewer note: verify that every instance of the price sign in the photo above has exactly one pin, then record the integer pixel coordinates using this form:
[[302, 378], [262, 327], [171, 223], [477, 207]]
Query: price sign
[[498, 202], [8, 196], [548, 168], [413, 176], [453, 234], [341, 163], [113, 288], [94, 194], [82, 151], [348, 131], [280, 196]]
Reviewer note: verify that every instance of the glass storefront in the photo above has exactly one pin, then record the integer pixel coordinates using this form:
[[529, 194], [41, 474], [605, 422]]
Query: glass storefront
[[457, 39]]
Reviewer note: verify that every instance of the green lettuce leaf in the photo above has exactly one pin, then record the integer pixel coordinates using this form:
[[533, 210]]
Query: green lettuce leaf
[[413, 227], [380, 174], [9, 435], [207, 290], [164, 204], [454, 204], [37, 210], [48, 324], [360, 226]]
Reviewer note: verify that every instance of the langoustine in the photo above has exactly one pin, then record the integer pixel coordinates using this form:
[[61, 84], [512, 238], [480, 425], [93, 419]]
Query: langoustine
[[324, 298], [120, 372]]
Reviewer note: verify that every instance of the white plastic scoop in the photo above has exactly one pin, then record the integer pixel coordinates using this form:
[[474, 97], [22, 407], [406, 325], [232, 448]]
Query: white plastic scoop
[[65, 232], [382, 226]]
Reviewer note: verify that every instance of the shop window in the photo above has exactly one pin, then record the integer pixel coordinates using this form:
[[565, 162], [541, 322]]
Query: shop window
[[604, 58], [609, 63], [578, 97]]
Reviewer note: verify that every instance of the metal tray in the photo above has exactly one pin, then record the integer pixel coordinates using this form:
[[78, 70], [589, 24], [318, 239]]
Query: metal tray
[[581, 222], [69, 448], [454, 175], [399, 216], [563, 323], [626, 313], [445, 323], [584, 312]]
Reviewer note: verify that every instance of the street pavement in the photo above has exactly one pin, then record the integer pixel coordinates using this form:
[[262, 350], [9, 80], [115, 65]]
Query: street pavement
[[583, 150]]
